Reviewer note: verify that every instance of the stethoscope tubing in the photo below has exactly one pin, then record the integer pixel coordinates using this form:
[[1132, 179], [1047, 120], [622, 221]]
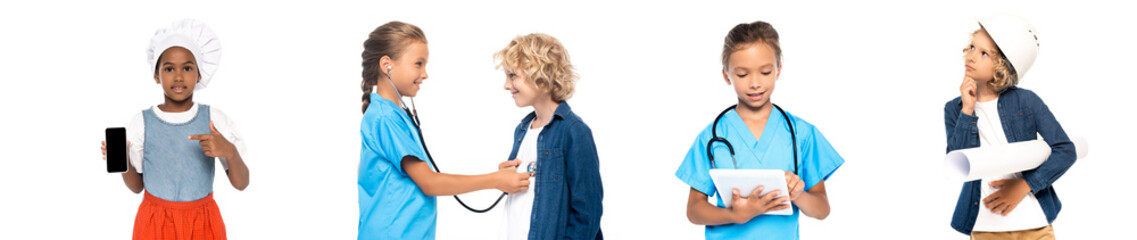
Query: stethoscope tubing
[[715, 138], [422, 140]]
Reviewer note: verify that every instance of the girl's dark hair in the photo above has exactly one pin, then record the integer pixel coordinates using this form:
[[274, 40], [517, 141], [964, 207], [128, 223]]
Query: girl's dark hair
[[747, 33], [387, 40]]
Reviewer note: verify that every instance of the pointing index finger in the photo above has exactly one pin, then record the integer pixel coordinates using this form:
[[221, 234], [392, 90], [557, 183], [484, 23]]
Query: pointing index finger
[[200, 137]]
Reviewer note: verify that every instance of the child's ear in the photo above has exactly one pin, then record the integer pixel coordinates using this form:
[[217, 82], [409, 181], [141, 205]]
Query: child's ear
[[725, 77], [156, 80], [384, 63], [779, 73]]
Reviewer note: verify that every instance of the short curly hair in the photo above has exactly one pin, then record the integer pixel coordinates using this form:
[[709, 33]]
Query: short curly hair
[[1004, 76], [543, 60]]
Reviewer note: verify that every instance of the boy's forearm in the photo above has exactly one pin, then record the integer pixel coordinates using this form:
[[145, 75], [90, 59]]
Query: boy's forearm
[[961, 131], [583, 178], [1063, 153], [1061, 158], [582, 225]]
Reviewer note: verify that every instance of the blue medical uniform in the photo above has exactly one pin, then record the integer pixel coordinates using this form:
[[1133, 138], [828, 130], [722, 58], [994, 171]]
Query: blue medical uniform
[[818, 160], [391, 205]]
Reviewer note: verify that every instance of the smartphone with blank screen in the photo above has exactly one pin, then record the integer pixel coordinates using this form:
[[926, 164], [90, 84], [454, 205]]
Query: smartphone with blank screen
[[116, 150]]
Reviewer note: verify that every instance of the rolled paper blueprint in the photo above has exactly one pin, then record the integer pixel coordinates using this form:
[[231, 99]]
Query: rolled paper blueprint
[[995, 161]]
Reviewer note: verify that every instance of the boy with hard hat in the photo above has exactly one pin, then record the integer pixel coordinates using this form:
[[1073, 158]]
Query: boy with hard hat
[[991, 111]]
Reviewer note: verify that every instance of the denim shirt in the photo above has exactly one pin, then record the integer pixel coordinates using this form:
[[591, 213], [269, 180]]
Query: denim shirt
[[567, 201], [1023, 116]]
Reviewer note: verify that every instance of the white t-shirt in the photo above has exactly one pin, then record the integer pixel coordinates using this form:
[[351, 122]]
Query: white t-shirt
[[1028, 214], [519, 206], [137, 131]]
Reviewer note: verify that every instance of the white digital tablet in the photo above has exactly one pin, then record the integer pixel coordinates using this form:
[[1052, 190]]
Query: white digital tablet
[[746, 180]]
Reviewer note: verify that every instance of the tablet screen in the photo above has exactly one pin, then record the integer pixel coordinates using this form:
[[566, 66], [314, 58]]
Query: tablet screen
[[746, 180]]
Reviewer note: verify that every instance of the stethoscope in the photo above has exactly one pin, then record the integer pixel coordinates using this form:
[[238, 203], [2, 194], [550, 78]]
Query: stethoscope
[[715, 137], [413, 114]]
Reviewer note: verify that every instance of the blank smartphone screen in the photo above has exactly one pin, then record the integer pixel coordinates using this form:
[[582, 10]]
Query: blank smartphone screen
[[116, 150]]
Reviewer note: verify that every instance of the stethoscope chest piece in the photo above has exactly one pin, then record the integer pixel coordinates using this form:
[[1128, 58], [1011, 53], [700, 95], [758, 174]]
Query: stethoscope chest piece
[[531, 168]]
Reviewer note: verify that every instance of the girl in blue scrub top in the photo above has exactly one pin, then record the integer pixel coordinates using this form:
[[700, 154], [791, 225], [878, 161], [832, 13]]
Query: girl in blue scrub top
[[396, 184], [761, 139]]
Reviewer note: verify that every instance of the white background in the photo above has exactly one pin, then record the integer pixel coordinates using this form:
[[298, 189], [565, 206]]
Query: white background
[[872, 76]]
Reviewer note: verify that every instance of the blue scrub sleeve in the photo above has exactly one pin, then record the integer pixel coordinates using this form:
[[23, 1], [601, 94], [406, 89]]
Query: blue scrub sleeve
[[819, 158], [695, 169], [397, 139]]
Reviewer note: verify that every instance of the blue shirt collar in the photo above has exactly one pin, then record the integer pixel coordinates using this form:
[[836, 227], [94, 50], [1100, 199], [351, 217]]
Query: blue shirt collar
[[563, 111]]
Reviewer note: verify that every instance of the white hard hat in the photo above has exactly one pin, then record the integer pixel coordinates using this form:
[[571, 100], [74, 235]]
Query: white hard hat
[[1015, 38], [194, 36]]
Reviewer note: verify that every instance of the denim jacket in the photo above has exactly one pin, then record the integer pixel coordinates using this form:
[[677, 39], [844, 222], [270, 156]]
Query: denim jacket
[[1023, 116], [567, 201]]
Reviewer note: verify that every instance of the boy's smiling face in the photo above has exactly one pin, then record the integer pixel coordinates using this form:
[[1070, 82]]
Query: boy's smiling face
[[979, 57], [178, 74], [752, 70], [524, 94]]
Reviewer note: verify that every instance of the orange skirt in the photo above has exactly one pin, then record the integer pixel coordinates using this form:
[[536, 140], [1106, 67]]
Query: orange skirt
[[193, 220]]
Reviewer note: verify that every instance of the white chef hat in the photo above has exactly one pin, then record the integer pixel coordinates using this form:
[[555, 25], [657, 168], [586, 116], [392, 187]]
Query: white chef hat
[[193, 36]]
